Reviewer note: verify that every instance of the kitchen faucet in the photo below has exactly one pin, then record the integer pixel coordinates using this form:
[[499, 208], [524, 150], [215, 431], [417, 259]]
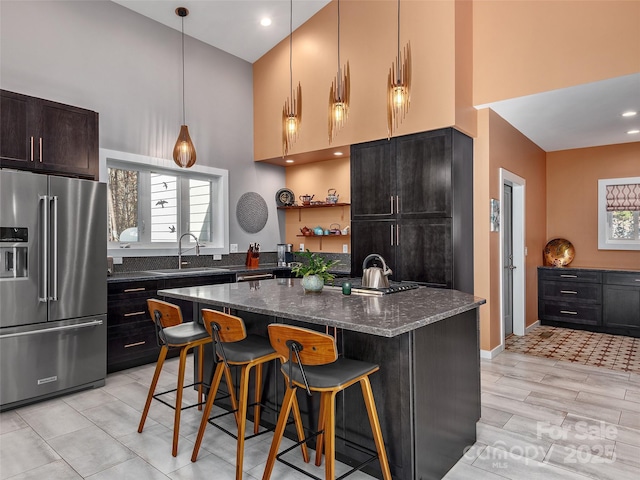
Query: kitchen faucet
[[197, 247]]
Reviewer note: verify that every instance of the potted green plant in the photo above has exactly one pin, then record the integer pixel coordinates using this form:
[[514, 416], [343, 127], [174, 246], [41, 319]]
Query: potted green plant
[[314, 272]]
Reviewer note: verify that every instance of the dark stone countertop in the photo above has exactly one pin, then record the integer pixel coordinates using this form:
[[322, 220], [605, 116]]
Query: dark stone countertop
[[198, 272], [386, 315]]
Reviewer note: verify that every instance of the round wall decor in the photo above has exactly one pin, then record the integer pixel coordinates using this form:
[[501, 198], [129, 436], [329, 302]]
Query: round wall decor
[[252, 212]]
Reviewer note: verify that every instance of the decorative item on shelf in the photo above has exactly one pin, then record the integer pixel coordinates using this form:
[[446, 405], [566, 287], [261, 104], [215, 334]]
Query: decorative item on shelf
[[345, 230], [318, 230], [398, 86], [292, 111], [285, 197], [314, 272], [306, 231], [339, 94], [334, 229], [558, 252], [317, 202], [332, 196], [184, 152], [306, 199]]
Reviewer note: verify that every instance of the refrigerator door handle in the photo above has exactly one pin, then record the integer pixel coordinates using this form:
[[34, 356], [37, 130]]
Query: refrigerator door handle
[[54, 250], [93, 323], [43, 293]]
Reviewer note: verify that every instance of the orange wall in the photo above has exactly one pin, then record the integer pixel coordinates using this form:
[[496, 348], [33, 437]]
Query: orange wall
[[368, 40], [572, 202], [532, 46], [506, 148], [316, 179]]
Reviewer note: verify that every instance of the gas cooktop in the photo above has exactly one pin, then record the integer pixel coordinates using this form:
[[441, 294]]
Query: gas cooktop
[[356, 286]]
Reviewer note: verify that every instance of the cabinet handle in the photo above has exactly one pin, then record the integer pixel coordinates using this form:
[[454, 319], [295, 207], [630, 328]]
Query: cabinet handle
[[397, 235], [637, 280], [568, 312], [569, 276], [40, 143], [140, 289], [31, 143], [569, 291], [397, 204], [131, 314], [391, 226], [137, 344], [391, 198]]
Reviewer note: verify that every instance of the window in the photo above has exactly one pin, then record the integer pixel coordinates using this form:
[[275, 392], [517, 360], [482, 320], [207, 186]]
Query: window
[[619, 213], [151, 204]]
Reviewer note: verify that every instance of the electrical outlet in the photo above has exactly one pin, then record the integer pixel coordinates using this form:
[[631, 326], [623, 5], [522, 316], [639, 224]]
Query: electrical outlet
[[345, 248], [302, 247], [217, 256], [233, 248]]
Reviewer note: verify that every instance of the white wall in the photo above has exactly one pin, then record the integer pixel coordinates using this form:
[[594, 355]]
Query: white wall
[[104, 57]]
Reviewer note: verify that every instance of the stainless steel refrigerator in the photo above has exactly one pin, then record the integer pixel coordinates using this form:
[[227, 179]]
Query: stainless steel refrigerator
[[53, 287]]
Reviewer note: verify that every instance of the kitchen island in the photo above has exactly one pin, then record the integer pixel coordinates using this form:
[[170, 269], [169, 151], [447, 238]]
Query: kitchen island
[[425, 340]]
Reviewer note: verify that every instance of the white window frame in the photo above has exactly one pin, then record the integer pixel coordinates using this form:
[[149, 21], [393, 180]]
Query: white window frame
[[603, 242], [219, 243]]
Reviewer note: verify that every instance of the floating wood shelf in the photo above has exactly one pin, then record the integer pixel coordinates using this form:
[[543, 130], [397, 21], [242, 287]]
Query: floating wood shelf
[[323, 205]]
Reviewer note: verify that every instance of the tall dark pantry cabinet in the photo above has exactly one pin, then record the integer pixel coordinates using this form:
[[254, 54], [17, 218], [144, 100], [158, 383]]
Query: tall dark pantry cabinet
[[412, 203]]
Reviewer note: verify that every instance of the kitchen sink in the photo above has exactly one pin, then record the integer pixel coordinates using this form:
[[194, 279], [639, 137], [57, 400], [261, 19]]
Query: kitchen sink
[[173, 271]]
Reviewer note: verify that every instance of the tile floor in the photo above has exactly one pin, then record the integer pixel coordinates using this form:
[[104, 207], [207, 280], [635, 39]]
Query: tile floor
[[542, 418], [578, 346]]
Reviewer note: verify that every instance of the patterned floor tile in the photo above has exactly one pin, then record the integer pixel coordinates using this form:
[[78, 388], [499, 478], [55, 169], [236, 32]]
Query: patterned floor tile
[[579, 347]]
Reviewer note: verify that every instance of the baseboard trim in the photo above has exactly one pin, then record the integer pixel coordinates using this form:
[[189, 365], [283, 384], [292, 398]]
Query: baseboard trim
[[489, 354], [532, 326]]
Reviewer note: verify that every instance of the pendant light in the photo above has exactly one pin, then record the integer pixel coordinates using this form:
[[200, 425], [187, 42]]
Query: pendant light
[[398, 86], [184, 153], [292, 111], [339, 94]]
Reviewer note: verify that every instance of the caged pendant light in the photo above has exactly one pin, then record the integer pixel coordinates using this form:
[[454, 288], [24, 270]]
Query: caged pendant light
[[399, 86], [184, 153], [292, 111], [339, 94]]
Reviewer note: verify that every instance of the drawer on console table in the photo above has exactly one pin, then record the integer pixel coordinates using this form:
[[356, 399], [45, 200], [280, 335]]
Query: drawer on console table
[[571, 312], [570, 275], [570, 291]]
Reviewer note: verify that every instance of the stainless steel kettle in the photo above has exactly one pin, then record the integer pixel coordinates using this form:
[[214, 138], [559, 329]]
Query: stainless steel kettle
[[375, 277]]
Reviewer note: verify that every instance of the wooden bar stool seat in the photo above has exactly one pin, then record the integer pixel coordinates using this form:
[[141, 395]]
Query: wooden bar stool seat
[[312, 363], [233, 347], [173, 332]]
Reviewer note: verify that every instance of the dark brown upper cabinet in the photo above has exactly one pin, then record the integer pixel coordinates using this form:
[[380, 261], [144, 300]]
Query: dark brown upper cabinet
[[48, 137]]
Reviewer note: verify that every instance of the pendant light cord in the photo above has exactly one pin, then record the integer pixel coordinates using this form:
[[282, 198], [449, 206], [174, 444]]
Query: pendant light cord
[[291, 49], [398, 59], [339, 76], [183, 115]]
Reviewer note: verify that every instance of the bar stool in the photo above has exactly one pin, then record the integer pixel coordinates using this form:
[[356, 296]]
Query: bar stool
[[233, 346], [313, 364], [172, 331]]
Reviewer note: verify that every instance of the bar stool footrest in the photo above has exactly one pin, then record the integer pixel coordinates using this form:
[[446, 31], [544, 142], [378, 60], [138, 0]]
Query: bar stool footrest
[[157, 396], [210, 420], [373, 455]]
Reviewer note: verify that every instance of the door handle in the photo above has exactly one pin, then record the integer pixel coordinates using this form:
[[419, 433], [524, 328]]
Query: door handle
[[43, 294], [54, 249]]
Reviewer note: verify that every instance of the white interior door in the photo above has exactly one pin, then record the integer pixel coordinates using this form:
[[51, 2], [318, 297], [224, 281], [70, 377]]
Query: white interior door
[[512, 255]]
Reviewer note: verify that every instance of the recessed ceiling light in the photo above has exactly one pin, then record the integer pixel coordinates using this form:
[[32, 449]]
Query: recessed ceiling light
[[631, 132], [629, 114], [337, 154], [288, 160], [265, 22]]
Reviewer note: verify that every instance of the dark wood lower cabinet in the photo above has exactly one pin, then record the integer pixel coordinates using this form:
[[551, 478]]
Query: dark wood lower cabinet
[[606, 301], [131, 335]]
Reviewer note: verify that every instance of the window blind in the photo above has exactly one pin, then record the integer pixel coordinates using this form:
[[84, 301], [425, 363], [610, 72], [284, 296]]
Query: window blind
[[623, 197]]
